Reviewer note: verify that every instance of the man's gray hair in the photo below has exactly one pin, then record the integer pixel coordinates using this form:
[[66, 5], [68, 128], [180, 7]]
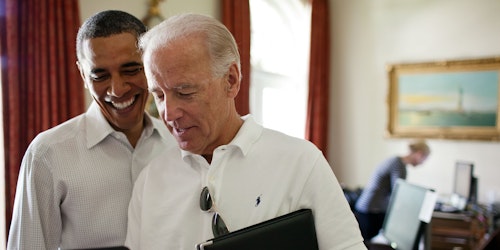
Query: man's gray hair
[[222, 47]]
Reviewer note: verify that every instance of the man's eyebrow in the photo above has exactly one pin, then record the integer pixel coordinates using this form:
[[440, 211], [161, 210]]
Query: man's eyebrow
[[176, 88], [154, 89], [185, 86], [131, 64], [97, 70]]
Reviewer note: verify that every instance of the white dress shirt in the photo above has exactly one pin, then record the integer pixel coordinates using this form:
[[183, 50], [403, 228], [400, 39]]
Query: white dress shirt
[[76, 181], [259, 175]]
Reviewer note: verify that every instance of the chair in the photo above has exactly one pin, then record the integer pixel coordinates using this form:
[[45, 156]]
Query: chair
[[352, 196], [492, 243], [378, 246]]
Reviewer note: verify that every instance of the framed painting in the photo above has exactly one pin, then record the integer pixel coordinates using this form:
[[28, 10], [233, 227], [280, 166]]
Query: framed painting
[[449, 100]]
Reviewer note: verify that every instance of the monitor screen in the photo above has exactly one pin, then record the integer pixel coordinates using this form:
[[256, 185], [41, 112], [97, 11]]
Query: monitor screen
[[402, 225], [464, 173]]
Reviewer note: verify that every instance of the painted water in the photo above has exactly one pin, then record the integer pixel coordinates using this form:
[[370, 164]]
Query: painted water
[[445, 118]]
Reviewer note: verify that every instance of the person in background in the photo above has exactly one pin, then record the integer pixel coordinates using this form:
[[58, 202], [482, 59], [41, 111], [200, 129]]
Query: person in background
[[371, 206], [76, 179], [226, 168]]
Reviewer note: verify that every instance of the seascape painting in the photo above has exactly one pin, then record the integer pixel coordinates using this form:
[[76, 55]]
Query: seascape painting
[[445, 99], [449, 99]]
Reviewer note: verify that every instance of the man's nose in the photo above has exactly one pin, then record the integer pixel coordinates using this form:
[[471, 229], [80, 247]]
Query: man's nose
[[118, 87], [172, 109]]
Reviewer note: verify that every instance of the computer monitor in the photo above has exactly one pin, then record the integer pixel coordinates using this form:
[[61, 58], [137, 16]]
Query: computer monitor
[[464, 185], [463, 181], [403, 226]]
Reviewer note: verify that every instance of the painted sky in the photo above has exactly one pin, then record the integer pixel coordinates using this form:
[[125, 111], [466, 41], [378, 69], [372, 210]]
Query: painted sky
[[441, 91]]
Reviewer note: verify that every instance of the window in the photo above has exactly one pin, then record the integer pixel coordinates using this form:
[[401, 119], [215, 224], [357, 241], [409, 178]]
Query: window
[[280, 33]]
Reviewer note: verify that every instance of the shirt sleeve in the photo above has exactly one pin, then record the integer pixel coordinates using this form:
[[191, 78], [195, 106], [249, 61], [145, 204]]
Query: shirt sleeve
[[397, 171], [336, 226], [36, 220]]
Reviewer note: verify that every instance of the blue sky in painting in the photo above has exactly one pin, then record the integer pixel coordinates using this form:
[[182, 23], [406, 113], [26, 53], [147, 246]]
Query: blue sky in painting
[[441, 91]]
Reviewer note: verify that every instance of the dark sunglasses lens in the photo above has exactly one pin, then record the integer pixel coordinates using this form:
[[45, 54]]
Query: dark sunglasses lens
[[219, 228], [205, 199]]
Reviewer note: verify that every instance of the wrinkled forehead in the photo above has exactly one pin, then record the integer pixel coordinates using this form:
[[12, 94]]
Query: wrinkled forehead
[[177, 66], [182, 54]]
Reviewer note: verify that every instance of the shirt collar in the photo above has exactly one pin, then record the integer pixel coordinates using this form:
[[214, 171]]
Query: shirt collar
[[156, 125], [98, 128], [248, 134]]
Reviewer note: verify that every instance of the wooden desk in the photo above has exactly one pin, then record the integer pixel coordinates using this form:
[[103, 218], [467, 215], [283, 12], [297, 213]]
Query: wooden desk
[[455, 231]]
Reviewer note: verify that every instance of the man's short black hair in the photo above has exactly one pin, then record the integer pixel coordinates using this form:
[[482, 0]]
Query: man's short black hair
[[107, 23]]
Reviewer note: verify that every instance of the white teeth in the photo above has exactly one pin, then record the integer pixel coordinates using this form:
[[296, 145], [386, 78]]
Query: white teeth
[[122, 105], [179, 130]]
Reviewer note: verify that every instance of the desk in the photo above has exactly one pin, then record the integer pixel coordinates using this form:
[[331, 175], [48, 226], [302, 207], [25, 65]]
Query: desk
[[455, 231]]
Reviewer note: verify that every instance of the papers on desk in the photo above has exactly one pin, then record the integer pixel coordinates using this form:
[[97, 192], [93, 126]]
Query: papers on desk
[[428, 206]]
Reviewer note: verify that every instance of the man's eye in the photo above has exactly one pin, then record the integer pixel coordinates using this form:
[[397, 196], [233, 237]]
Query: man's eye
[[185, 94], [158, 96], [133, 71], [99, 78]]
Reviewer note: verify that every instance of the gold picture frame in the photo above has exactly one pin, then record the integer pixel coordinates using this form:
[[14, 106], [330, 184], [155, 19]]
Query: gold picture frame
[[448, 100]]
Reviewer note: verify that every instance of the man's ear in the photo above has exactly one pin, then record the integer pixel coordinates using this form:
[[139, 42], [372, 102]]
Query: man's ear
[[233, 80], [82, 75]]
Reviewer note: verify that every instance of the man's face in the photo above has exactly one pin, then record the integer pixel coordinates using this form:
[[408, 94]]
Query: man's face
[[113, 72], [418, 158], [194, 104]]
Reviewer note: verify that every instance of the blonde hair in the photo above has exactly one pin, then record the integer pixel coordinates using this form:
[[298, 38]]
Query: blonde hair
[[419, 145]]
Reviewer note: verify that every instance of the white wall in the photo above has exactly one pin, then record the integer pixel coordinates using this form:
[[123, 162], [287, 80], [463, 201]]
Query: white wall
[[139, 8], [366, 36]]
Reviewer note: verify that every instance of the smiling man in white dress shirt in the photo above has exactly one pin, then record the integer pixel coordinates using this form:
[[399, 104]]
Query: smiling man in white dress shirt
[[76, 179]]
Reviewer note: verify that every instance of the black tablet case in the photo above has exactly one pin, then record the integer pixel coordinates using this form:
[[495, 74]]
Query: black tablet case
[[293, 231]]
